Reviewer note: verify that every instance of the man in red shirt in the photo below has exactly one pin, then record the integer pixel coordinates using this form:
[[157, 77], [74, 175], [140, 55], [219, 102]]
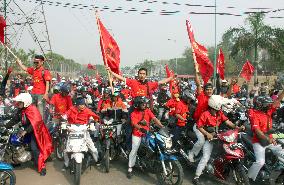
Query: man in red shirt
[[139, 87], [61, 102], [140, 121], [80, 114], [261, 122], [203, 96], [213, 117], [41, 81]]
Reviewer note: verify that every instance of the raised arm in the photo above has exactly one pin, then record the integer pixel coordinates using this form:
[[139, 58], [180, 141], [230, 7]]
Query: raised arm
[[197, 80], [119, 77], [19, 62], [166, 80], [277, 101]]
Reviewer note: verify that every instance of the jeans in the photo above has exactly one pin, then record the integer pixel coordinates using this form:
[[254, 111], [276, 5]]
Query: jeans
[[207, 150], [40, 103], [176, 132], [136, 141], [259, 152], [199, 143]]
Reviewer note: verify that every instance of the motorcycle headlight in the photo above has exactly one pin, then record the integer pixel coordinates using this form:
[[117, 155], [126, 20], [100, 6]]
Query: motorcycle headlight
[[167, 142]]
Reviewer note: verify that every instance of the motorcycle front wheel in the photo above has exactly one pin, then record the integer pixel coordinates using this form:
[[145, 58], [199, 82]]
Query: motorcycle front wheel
[[240, 176], [77, 172], [7, 177], [106, 160], [174, 174], [59, 148]]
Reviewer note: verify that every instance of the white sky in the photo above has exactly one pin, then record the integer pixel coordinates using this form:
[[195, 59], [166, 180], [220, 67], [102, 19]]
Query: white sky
[[74, 34]]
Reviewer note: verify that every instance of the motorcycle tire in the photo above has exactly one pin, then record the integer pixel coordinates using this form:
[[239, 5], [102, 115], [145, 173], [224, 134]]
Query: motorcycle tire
[[113, 153], [241, 177], [7, 175], [77, 172], [106, 157], [59, 149], [175, 172]]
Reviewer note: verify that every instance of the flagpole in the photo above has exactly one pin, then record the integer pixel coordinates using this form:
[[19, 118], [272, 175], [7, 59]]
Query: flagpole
[[9, 50], [108, 73]]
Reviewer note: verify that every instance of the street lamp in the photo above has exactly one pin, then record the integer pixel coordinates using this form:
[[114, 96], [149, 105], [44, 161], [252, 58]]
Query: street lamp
[[175, 57]]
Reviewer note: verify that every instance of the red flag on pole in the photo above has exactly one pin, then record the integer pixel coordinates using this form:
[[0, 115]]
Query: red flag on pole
[[58, 77], [90, 66], [109, 48], [221, 64], [200, 55], [2, 28], [247, 71]]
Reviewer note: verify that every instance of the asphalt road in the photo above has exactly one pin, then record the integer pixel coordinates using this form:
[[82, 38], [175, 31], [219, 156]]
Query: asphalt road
[[26, 175]]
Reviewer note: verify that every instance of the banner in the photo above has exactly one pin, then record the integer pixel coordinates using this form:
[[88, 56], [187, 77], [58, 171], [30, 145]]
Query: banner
[[221, 64]]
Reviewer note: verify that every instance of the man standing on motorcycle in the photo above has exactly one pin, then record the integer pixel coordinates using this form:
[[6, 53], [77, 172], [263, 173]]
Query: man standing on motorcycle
[[212, 118], [140, 121], [41, 141], [80, 114], [261, 122]]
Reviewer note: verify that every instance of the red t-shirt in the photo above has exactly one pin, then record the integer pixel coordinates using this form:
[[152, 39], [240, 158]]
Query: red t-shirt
[[202, 105], [39, 79], [139, 89], [103, 103], [137, 116], [61, 103], [172, 105], [182, 109], [236, 88], [260, 120], [76, 117], [125, 92], [207, 119]]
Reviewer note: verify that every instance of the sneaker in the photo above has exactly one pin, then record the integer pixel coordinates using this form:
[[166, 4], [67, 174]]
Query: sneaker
[[190, 157], [129, 175], [64, 168], [196, 181], [43, 172]]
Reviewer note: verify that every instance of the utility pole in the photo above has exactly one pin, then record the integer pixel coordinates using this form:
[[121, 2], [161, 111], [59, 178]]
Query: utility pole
[[215, 50], [5, 34]]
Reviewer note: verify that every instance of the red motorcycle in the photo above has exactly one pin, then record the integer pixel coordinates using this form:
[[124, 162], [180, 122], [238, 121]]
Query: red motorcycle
[[229, 158]]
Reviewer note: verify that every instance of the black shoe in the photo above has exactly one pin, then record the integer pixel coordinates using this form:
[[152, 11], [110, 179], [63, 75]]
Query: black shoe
[[64, 168], [129, 175], [43, 172], [196, 181]]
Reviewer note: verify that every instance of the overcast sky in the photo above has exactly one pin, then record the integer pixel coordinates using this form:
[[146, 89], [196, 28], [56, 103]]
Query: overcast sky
[[74, 34]]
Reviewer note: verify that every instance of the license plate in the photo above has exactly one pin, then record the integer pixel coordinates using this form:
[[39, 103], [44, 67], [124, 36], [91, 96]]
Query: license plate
[[106, 127], [76, 136]]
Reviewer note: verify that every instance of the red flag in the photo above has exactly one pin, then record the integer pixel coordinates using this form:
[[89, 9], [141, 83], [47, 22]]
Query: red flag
[[173, 83], [109, 48], [58, 77], [247, 71], [98, 78], [200, 54], [2, 28], [90, 66], [221, 65]]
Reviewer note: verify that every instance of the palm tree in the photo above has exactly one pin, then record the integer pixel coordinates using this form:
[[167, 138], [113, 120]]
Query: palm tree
[[247, 41]]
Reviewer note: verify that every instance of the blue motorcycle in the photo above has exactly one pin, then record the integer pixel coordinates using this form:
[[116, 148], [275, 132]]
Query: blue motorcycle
[[155, 156], [7, 176]]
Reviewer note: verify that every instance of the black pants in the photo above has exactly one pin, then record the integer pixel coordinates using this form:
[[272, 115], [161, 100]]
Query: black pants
[[35, 150]]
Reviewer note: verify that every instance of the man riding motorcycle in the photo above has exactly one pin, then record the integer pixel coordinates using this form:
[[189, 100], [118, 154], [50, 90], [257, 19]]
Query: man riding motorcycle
[[140, 121], [213, 117], [80, 114], [261, 122], [41, 141]]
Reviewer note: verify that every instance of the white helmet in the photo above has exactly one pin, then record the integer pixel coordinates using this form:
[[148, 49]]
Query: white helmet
[[53, 79], [215, 102], [26, 98]]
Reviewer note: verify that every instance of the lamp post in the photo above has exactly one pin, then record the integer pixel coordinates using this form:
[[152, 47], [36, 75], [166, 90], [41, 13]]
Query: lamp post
[[175, 57]]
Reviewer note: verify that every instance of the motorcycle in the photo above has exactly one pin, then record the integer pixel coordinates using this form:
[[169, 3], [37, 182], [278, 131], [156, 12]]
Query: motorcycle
[[76, 148], [7, 176], [59, 137], [155, 155], [109, 140]]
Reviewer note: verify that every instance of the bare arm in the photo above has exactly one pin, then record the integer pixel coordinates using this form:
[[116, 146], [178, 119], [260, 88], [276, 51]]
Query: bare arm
[[19, 62], [230, 124], [180, 117], [119, 77], [197, 80], [157, 122], [166, 80], [280, 97]]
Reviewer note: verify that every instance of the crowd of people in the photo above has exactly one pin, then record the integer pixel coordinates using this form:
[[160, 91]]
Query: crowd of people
[[41, 99]]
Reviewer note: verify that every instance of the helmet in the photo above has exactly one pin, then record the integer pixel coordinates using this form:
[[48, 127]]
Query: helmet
[[140, 100], [215, 102], [262, 103], [53, 79], [84, 89], [56, 89], [64, 89], [187, 95], [26, 98]]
